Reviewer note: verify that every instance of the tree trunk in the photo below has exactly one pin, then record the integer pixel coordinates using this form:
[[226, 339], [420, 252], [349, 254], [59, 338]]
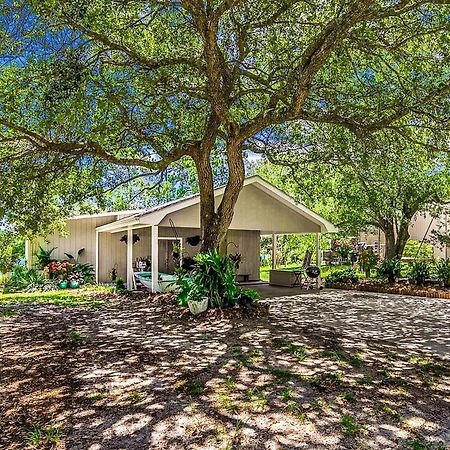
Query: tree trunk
[[215, 224], [402, 239], [395, 243]]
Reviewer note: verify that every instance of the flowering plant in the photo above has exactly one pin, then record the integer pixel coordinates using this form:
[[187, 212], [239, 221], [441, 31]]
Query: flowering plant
[[367, 261], [76, 276], [343, 248], [60, 269]]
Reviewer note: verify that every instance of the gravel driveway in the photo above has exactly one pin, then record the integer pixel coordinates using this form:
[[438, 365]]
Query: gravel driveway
[[414, 323]]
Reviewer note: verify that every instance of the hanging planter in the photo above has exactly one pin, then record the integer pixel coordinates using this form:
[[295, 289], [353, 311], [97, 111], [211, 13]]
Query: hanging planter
[[176, 251], [193, 241], [124, 238], [197, 307]]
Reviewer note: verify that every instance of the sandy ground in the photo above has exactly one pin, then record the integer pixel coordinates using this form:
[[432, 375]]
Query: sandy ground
[[329, 370]]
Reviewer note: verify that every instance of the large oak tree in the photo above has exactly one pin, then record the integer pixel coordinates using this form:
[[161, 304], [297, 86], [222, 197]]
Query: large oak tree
[[86, 85]]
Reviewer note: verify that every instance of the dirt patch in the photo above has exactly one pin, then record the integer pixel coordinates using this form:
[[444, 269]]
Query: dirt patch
[[168, 306], [135, 376]]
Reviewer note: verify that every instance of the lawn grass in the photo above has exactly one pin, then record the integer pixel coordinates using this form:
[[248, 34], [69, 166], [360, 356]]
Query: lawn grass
[[324, 270], [73, 298]]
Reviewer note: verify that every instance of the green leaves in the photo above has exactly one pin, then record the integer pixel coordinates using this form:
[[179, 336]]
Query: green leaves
[[91, 85]]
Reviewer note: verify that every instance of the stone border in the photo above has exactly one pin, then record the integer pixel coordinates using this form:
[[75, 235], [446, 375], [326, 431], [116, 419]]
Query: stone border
[[394, 289]]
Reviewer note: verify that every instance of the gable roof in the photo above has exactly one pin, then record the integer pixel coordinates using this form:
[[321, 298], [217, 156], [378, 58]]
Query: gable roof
[[154, 215]]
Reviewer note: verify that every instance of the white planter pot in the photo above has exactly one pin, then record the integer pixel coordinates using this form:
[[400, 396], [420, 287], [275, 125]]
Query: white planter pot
[[198, 307]]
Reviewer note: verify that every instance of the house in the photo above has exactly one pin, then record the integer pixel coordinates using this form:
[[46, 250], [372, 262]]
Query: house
[[422, 227], [120, 239]]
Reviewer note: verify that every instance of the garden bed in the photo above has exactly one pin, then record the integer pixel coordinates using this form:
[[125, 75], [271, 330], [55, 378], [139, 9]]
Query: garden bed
[[170, 309], [402, 288]]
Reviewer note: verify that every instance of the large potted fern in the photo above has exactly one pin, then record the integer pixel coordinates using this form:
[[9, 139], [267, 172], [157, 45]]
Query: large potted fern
[[210, 282]]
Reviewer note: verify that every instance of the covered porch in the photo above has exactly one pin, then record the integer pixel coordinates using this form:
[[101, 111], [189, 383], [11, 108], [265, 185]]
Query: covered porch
[[261, 209]]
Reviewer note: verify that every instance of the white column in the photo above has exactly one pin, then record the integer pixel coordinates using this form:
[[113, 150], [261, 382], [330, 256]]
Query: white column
[[97, 255], [130, 258], [274, 251], [318, 258], [318, 250], [155, 262], [28, 254]]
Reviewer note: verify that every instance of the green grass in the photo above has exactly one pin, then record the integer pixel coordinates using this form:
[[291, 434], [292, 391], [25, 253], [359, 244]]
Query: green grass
[[8, 312], [136, 396], [424, 445], [324, 270], [75, 336], [58, 298], [191, 388], [44, 435], [354, 360], [349, 425], [349, 397], [97, 396], [227, 404], [229, 384], [286, 394]]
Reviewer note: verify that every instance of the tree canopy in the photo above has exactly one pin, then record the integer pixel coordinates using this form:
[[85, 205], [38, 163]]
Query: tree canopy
[[381, 181], [90, 87]]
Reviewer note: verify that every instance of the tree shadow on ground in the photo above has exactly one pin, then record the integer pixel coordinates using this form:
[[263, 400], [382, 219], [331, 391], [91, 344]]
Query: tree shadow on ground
[[129, 377]]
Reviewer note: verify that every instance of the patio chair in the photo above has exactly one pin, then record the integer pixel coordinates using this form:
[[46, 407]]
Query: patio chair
[[299, 274]]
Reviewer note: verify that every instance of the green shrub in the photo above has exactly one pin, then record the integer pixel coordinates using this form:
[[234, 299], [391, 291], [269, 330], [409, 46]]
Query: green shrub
[[417, 249], [389, 268], [28, 280], [12, 250], [44, 257], [86, 272], [347, 275], [443, 271], [419, 272], [120, 284]]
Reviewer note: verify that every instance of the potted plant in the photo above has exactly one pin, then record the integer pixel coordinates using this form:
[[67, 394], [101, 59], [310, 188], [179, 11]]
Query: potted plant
[[198, 305], [367, 261], [74, 280], [193, 294], [176, 250], [63, 284]]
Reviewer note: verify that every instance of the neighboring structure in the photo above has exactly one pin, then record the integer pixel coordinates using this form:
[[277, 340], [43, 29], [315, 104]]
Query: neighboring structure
[[108, 238], [421, 229]]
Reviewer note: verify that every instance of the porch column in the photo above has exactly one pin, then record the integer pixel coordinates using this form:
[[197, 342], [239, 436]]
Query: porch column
[[274, 251], [130, 258], [155, 259], [318, 251], [28, 254], [318, 258], [97, 255]]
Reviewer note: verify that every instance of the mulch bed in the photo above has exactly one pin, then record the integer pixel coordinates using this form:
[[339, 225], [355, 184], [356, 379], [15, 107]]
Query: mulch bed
[[402, 288], [170, 308]]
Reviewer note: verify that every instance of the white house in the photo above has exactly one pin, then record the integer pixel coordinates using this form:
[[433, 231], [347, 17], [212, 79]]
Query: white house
[[107, 238]]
